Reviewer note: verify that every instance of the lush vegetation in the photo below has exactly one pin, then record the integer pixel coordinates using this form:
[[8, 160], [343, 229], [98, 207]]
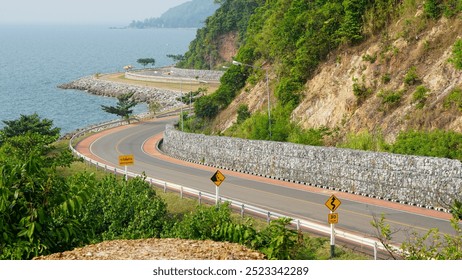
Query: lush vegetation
[[456, 58], [432, 245], [36, 205], [294, 37], [434, 143], [230, 17], [454, 99], [288, 39]]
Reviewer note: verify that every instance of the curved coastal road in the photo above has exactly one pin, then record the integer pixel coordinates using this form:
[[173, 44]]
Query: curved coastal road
[[304, 202]]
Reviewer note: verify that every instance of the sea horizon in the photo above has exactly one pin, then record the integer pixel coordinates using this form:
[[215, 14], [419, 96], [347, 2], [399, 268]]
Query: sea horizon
[[35, 59]]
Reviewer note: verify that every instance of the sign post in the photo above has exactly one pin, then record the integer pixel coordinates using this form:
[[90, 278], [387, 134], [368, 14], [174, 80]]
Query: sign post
[[126, 160], [333, 203], [217, 179]]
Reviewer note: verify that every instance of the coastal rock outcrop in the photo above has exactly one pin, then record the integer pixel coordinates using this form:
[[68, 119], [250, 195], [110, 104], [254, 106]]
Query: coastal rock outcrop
[[167, 99]]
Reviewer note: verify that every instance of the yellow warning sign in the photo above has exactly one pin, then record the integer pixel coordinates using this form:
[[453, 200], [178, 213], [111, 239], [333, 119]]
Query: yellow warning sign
[[126, 160], [332, 218], [333, 203], [218, 178]]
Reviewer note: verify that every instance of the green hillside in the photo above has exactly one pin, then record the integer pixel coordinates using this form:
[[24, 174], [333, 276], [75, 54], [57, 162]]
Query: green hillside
[[191, 14], [289, 40]]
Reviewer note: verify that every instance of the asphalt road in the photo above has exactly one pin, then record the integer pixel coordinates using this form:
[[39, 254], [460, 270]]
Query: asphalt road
[[355, 213]]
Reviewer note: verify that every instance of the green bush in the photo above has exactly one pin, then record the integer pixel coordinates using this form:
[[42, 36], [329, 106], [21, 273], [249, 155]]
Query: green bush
[[370, 58], [456, 57], [452, 8], [386, 78], [120, 209], [433, 8], [242, 113], [436, 143], [361, 91], [311, 136], [454, 99], [276, 240], [420, 95], [206, 107], [38, 207], [365, 141], [431, 245], [203, 223], [411, 77], [351, 28], [390, 97], [288, 92]]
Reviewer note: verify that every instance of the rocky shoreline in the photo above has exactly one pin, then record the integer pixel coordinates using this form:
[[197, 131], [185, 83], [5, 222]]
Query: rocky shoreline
[[167, 99]]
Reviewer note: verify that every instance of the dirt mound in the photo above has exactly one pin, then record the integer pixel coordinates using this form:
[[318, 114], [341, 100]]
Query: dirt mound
[[158, 249]]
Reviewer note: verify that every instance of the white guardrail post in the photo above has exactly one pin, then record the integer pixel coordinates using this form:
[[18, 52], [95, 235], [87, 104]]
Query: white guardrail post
[[298, 223]]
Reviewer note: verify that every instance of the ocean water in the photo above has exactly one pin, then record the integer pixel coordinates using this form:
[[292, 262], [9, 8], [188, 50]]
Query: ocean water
[[35, 59]]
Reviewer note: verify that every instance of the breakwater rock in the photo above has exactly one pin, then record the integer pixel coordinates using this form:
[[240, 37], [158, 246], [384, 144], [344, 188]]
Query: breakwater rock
[[167, 99]]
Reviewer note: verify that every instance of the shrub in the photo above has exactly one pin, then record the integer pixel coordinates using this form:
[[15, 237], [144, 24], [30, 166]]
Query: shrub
[[37, 210], [432, 8], [370, 58], [123, 209], [431, 245], [390, 97], [386, 78], [454, 99], [456, 57], [276, 240], [203, 223], [312, 136], [288, 92], [437, 143], [411, 77], [365, 141], [206, 107], [451, 8], [360, 90], [242, 113], [420, 96]]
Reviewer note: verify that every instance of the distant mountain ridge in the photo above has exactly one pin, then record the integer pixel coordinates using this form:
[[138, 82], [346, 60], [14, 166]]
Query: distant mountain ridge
[[191, 14]]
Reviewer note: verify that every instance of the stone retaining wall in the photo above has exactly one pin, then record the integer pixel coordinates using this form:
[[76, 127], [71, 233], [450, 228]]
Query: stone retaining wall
[[421, 181], [166, 74]]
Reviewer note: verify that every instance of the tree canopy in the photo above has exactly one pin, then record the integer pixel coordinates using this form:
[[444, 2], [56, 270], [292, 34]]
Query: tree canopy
[[124, 106], [146, 61], [27, 124]]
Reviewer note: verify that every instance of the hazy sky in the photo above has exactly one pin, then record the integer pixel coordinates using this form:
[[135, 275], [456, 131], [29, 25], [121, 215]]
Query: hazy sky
[[120, 12]]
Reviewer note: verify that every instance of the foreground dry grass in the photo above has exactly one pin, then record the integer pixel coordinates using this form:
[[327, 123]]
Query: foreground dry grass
[[158, 249]]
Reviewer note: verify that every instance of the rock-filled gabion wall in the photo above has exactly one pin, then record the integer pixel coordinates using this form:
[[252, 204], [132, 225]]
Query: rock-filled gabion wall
[[422, 181], [166, 98]]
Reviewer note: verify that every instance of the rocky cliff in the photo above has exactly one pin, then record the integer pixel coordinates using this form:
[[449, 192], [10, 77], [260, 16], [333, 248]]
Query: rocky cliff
[[388, 69], [384, 66]]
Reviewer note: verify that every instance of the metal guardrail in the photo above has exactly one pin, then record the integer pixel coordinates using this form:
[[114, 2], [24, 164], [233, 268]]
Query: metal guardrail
[[244, 208]]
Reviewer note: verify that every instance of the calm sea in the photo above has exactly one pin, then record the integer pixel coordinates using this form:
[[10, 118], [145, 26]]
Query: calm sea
[[35, 59]]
